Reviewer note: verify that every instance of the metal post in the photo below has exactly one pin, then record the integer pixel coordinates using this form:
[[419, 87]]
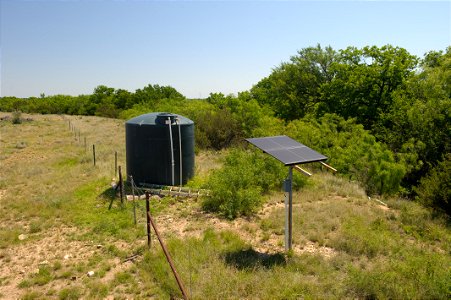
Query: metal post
[[115, 163], [148, 219], [121, 187], [133, 193], [290, 207], [286, 213], [94, 154]]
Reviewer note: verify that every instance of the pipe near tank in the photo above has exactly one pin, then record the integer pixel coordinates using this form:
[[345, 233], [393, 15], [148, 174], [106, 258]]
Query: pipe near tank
[[180, 152], [172, 151]]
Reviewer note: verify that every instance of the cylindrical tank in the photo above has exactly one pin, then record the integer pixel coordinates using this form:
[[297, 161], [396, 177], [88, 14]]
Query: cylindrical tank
[[153, 157]]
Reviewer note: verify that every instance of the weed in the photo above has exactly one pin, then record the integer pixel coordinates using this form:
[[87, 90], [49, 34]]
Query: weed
[[24, 284], [115, 252], [9, 236], [31, 295], [97, 290], [43, 277], [35, 227], [66, 274], [57, 265], [71, 293], [122, 278]]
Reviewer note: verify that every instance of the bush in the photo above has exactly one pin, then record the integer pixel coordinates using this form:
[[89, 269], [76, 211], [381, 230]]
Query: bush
[[435, 189], [217, 130], [237, 188], [17, 117], [352, 150]]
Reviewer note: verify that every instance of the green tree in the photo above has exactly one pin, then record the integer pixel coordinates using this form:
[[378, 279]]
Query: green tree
[[417, 126], [154, 94], [294, 89], [365, 80]]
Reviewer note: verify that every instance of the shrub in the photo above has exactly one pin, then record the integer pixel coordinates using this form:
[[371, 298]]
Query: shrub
[[352, 150], [435, 189], [217, 129], [17, 117], [237, 188]]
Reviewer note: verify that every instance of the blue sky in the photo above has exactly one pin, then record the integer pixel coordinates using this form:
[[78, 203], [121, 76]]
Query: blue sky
[[197, 47]]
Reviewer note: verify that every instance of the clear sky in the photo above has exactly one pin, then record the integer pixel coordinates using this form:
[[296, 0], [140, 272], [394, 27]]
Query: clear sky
[[197, 47]]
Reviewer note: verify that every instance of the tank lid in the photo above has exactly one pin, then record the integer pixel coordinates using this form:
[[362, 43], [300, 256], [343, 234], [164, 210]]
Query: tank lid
[[159, 118]]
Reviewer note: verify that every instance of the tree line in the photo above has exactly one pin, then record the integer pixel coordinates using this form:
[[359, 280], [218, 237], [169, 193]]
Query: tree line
[[381, 114]]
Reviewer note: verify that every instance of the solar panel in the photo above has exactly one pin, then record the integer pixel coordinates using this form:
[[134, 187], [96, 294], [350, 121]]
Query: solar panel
[[287, 150]]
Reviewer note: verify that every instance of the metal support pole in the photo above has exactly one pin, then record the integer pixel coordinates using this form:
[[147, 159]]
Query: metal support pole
[[290, 207], [286, 213], [148, 219]]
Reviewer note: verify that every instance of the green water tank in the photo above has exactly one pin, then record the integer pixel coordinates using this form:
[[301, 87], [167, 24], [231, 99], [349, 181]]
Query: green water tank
[[160, 149]]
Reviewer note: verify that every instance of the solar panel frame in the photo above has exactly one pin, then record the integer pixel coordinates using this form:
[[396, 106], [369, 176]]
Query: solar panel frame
[[287, 150]]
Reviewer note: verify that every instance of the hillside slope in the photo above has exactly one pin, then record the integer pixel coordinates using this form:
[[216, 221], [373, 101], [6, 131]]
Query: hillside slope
[[55, 227]]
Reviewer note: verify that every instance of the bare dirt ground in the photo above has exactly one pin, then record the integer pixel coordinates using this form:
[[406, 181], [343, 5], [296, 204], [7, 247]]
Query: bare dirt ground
[[194, 224]]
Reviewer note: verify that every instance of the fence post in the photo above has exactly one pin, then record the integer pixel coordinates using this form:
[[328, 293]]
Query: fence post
[[121, 187], [133, 193], [94, 154], [115, 163]]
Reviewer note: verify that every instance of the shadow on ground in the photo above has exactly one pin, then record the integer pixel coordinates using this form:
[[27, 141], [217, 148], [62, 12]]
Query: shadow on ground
[[251, 259]]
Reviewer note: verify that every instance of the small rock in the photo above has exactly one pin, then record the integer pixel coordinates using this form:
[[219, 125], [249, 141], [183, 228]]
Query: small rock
[[44, 262], [99, 246], [22, 237], [35, 271], [73, 278], [67, 256], [22, 272], [90, 273]]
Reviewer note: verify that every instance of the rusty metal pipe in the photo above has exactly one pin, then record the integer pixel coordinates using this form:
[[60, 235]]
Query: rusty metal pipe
[[168, 258]]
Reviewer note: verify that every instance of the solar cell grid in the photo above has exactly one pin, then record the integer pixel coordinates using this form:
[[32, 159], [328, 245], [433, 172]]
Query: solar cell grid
[[287, 150]]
